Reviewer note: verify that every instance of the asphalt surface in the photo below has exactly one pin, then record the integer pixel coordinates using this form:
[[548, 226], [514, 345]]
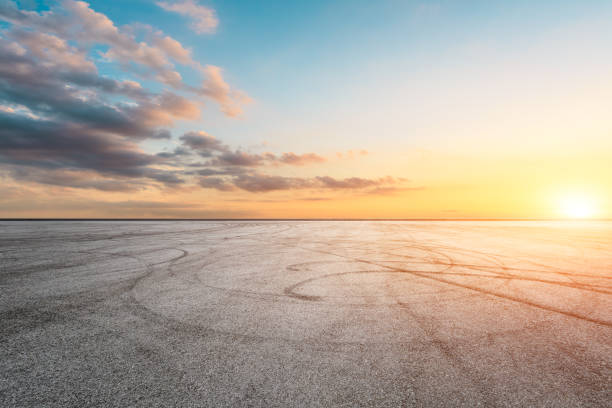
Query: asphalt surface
[[276, 313]]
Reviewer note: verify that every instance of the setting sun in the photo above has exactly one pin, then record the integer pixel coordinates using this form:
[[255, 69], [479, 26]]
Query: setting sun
[[577, 206]]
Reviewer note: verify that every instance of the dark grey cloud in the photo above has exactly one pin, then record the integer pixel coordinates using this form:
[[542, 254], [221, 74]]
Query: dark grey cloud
[[178, 152], [265, 183], [239, 158], [51, 143], [203, 144], [216, 183], [300, 159], [44, 144], [353, 182], [258, 183], [73, 179], [220, 154], [161, 134], [168, 178], [221, 171]]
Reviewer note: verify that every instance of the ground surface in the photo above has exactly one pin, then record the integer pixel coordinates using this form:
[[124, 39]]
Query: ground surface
[[305, 314]]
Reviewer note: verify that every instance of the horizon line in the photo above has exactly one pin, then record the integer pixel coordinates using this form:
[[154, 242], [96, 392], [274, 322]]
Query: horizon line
[[305, 219]]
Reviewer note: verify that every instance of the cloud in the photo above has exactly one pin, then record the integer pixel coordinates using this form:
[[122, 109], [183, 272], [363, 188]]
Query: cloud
[[61, 116], [206, 145], [223, 171], [171, 47], [204, 19], [74, 179], [257, 183], [216, 183], [64, 124], [215, 87], [178, 152], [27, 143], [203, 143], [60, 113], [76, 93], [264, 183], [353, 182], [94, 27], [53, 50], [51, 78], [245, 159], [75, 21], [300, 159], [239, 158]]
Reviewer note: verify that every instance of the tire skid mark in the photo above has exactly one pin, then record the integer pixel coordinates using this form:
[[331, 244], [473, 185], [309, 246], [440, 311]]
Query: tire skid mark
[[577, 286], [476, 289], [55, 307], [446, 349], [287, 293], [563, 349]]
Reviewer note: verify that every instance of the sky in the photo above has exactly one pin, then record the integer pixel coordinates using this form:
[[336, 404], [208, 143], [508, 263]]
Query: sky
[[305, 109]]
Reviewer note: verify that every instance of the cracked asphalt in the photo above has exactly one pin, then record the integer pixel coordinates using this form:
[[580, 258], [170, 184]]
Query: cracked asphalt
[[305, 313]]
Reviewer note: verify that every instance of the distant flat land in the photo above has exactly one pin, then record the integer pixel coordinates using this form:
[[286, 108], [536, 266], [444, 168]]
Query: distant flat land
[[298, 313]]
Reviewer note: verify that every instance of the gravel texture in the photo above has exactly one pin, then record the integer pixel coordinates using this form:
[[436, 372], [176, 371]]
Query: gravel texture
[[289, 313]]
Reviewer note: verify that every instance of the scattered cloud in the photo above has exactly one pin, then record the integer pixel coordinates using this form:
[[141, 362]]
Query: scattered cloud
[[203, 143], [208, 146], [74, 179], [300, 159], [353, 182], [204, 19], [59, 114], [55, 144], [64, 124], [256, 183], [75, 21], [264, 183], [216, 183], [239, 158], [215, 87]]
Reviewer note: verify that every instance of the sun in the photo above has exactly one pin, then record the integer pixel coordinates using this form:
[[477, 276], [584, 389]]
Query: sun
[[577, 206]]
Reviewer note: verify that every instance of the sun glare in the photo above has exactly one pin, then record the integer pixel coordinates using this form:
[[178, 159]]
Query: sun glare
[[577, 206]]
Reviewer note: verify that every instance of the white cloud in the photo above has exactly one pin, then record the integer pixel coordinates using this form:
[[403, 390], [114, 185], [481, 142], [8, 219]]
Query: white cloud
[[76, 21], [204, 18]]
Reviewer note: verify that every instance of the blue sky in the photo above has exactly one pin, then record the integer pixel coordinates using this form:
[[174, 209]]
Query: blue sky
[[305, 61], [308, 61]]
